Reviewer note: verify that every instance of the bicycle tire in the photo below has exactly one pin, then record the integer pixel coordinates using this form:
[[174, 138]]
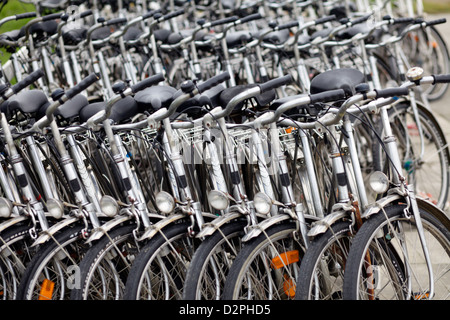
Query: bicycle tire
[[277, 278], [211, 261], [56, 262], [159, 270], [16, 252], [387, 282], [430, 175], [103, 258], [325, 261]]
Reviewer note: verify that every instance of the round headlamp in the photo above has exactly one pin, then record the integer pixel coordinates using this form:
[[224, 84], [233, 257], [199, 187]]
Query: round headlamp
[[218, 200], [262, 203], [378, 182], [165, 202], [55, 208], [5, 208], [109, 206]]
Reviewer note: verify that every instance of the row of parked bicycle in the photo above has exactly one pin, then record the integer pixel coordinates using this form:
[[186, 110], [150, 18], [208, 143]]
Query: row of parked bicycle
[[219, 150]]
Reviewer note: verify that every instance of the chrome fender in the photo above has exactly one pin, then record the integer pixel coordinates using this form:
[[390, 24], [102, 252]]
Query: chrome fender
[[209, 228], [322, 225], [12, 221], [158, 226], [106, 227], [378, 205], [256, 230], [47, 234]]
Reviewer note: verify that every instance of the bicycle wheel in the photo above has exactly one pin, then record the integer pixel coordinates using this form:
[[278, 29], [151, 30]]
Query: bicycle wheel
[[426, 168], [386, 260], [267, 266], [322, 268], [16, 252], [211, 262], [427, 49], [159, 270], [53, 270], [105, 266]]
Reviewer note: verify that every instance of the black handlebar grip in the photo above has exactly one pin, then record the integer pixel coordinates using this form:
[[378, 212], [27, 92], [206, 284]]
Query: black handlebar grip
[[223, 21], [52, 16], [25, 15], [115, 21], [85, 13], [325, 19], [441, 78], [173, 14], [251, 17], [288, 25], [275, 83], [150, 81], [212, 82], [328, 96], [360, 20], [392, 92], [403, 20], [435, 22], [150, 14], [32, 77], [82, 85]]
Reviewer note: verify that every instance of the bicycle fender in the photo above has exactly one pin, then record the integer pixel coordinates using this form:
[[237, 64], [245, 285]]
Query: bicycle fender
[[256, 230], [12, 221], [158, 226], [47, 234], [106, 227], [322, 225], [378, 205], [210, 227]]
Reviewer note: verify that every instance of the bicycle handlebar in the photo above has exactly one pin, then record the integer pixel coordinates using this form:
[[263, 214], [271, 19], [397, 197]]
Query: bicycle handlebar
[[82, 85], [150, 81], [25, 15], [275, 83], [32, 77]]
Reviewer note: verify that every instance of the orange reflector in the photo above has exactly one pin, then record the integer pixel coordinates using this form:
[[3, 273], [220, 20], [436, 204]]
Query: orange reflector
[[289, 286], [285, 258], [421, 296], [46, 290]]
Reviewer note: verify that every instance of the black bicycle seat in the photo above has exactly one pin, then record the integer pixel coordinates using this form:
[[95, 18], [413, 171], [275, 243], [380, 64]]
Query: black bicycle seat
[[154, 98], [122, 110], [346, 79], [28, 102]]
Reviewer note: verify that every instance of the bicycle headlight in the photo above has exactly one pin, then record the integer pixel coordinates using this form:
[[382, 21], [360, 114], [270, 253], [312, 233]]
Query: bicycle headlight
[[218, 200], [55, 208], [5, 208], [165, 202], [262, 203], [109, 206], [379, 182]]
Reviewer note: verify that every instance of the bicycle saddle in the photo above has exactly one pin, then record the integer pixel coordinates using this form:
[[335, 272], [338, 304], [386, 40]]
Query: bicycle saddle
[[277, 37], [162, 35], [132, 33], [261, 99], [238, 38], [345, 79], [352, 31], [154, 98], [74, 36], [67, 111], [122, 110], [28, 102], [13, 35]]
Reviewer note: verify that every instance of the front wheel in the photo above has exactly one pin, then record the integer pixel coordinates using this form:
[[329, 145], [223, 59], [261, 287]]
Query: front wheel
[[386, 260], [322, 268], [267, 266]]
